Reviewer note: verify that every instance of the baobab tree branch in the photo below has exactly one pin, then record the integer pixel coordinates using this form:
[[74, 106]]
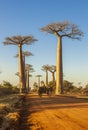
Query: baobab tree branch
[[29, 40], [64, 29], [73, 35], [9, 41]]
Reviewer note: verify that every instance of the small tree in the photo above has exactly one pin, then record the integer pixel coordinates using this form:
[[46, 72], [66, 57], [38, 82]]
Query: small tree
[[7, 84], [35, 87]]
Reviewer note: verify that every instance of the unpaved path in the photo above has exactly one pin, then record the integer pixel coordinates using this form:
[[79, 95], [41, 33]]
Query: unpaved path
[[54, 113]]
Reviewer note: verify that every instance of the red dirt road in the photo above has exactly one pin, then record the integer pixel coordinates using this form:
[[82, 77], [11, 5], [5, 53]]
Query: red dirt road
[[54, 113]]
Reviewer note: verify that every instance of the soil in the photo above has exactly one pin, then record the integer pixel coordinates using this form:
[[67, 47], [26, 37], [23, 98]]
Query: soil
[[54, 113]]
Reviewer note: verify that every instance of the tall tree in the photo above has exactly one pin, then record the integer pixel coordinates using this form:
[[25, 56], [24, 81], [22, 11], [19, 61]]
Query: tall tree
[[61, 29], [52, 69], [38, 79], [20, 41], [28, 69], [46, 68], [24, 54]]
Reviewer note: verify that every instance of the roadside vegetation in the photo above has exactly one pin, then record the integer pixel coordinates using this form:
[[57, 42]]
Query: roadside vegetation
[[10, 100], [68, 88], [7, 88]]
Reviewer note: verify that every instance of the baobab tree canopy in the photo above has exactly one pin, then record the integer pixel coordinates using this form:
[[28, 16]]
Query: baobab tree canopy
[[19, 40], [45, 67], [25, 53], [63, 29]]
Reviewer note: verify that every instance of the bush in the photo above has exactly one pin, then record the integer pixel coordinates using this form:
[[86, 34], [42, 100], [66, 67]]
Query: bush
[[8, 88]]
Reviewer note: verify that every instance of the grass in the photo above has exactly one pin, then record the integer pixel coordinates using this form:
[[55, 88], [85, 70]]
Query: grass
[[8, 112]]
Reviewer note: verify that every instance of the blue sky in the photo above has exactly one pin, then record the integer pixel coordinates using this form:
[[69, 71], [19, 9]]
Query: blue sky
[[26, 17]]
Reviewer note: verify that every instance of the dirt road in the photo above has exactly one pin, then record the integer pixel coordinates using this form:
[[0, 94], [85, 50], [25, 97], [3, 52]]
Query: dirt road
[[54, 113]]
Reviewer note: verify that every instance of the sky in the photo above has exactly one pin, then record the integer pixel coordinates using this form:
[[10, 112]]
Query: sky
[[27, 17]]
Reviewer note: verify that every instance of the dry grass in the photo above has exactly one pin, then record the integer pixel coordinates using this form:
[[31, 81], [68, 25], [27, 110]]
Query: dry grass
[[8, 113]]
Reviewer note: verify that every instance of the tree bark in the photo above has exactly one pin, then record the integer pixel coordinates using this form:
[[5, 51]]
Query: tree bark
[[27, 81], [59, 68], [20, 67], [53, 77], [46, 78], [21, 70], [24, 76], [39, 81]]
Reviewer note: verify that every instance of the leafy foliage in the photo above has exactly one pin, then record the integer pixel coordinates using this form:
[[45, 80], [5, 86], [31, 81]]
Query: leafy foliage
[[35, 87], [52, 84], [7, 84], [8, 88]]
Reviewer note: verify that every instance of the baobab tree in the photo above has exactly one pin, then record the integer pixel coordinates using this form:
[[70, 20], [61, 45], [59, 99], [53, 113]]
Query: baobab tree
[[52, 69], [29, 88], [20, 41], [28, 70], [61, 29], [38, 79], [24, 54], [46, 68]]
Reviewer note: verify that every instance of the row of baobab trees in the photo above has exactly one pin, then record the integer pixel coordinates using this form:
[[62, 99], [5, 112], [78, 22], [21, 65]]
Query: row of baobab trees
[[47, 68], [60, 30], [27, 69]]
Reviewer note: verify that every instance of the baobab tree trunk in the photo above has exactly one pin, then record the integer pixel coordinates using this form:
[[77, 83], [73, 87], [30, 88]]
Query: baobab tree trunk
[[27, 81], [24, 75], [46, 77], [53, 77], [39, 81], [21, 70], [59, 68], [20, 67]]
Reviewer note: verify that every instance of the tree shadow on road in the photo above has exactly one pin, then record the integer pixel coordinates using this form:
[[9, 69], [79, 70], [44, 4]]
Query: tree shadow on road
[[56, 102]]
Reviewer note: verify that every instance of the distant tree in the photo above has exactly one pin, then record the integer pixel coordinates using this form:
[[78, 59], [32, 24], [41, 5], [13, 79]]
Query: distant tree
[[67, 86], [7, 84], [38, 79], [24, 54], [46, 69], [85, 90], [28, 70], [35, 86], [20, 41], [52, 69], [61, 29], [86, 86], [52, 84], [70, 88]]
